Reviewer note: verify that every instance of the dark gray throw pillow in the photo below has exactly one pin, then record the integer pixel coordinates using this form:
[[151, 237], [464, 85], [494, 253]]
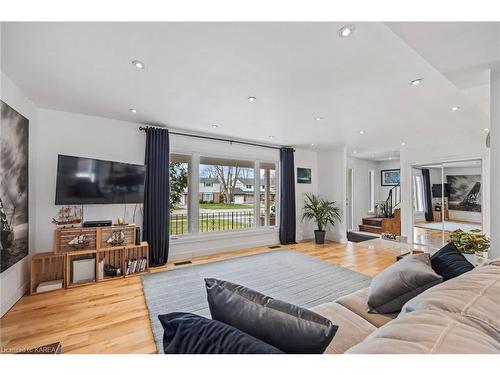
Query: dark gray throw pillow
[[287, 327], [399, 283], [186, 333]]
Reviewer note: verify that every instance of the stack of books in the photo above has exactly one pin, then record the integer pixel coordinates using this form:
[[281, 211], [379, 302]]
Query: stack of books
[[136, 266]]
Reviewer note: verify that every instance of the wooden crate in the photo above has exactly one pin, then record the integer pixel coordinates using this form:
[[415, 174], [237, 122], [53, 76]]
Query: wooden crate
[[106, 232], [114, 256], [64, 235], [70, 256], [136, 252], [47, 267]]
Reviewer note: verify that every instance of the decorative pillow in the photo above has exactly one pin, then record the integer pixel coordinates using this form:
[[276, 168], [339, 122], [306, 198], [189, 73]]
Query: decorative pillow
[[287, 327], [400, 282], [187, 333], [449, 262]]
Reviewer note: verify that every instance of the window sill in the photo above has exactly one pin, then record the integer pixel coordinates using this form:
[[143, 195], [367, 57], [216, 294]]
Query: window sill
[[202, 237]]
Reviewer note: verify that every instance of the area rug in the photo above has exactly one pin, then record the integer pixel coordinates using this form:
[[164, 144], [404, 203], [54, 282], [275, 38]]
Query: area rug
[[359, 237], [283, 274]]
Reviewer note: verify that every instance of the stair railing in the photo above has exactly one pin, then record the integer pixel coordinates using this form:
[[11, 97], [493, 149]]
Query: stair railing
[[393, 200]]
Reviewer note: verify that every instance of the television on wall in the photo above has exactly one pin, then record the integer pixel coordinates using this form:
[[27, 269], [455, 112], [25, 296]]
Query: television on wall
[[437, 190], [92, 181]]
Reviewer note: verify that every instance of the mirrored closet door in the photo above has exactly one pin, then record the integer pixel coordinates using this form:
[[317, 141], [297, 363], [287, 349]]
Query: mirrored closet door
[[446, 197]]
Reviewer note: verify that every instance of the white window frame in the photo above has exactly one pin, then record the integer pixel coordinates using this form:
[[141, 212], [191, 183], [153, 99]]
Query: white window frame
[[371, 191]]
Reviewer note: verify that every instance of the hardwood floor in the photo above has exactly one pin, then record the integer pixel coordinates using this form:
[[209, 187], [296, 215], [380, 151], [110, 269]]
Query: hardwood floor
[[112, 317]]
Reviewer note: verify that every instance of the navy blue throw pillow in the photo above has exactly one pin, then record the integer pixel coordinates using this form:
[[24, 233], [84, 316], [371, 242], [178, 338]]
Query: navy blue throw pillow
[[449, 262], [187, 333]]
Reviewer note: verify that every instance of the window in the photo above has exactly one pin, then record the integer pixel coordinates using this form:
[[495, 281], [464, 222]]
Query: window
[[371, 191], [208, 184], [418, 193], [230, 207], [179, 194], [249, 186], [267, 210]]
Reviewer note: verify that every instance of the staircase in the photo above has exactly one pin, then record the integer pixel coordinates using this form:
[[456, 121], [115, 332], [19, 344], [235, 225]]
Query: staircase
[[374, 224], [371, 225]]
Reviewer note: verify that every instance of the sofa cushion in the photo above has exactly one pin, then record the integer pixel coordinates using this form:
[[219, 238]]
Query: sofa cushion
[[287, 327], [352, 328], [427, 332], [357, 302], [449, 262], [473, 298], [400, 282], [187, 333]]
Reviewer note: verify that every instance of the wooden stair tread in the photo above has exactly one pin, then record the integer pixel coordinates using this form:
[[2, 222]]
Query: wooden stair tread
[[370, 228], [372, 221]]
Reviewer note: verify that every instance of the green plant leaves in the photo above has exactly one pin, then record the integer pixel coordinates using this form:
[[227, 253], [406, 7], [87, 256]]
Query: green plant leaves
[[322, 211], [470, 242]]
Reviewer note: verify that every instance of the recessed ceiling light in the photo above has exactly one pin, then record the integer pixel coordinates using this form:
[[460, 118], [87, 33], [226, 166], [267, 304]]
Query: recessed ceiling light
[[215, 126], [138, 64], [251, 99], [486, 130], [403, 143], [133, 110], [354, 152], [417, 81], [361, 132], [346, 31], [271, 137], [455, 108], [319, 118], [312, 144]]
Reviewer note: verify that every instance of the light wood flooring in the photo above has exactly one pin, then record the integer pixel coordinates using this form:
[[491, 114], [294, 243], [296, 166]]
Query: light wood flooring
[[112, 317]]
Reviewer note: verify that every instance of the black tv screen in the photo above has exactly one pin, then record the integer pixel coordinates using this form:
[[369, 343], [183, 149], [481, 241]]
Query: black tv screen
[[437, 190], [92, 181]]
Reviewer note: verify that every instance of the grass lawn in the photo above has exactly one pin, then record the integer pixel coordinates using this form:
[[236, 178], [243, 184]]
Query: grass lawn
[[224, 206], [207, 225]]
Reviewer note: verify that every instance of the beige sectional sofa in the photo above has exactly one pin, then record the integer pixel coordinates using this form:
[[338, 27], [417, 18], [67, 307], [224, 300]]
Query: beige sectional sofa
[[461, 315]]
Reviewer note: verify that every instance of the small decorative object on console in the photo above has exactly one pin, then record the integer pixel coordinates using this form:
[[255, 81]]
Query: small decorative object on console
[[79, 242], [116, 238], [68, 216]]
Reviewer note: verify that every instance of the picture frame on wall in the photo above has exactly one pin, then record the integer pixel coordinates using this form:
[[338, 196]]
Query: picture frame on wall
[[304, 175], [390, 177]]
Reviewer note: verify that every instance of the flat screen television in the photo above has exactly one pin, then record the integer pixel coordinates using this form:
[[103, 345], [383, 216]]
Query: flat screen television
[[92, 181], [437, 191]]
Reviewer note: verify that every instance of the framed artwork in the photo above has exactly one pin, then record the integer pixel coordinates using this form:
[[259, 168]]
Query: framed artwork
[[13, 186], [390, 177], [303, 175], [465, 193]]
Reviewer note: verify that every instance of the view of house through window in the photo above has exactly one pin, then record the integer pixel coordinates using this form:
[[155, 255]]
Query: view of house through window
[[226, 195], [267, 194], [179, 198]]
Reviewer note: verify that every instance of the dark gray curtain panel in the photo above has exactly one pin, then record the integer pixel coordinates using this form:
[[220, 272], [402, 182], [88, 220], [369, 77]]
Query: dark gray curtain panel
[[427, 195], [157, 195], [287, 196]]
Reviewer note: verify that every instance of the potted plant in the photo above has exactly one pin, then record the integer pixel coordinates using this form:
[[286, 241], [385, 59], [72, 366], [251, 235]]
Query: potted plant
[[381, 209], [471, 244], [323, 212]]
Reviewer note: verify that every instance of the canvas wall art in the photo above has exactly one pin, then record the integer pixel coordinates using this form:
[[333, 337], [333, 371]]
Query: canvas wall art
[[390, 177], [303, 175], [465, 193], [13, 186]]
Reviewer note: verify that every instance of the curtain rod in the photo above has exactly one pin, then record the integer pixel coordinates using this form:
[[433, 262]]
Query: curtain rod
[[231, 141]]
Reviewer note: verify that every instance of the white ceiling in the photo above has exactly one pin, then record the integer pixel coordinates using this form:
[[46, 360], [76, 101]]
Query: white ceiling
[[199, 74]]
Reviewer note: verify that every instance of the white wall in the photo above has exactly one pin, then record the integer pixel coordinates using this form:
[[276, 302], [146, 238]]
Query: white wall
[[495, 161], [15, 280], [305, 159], [383, 191], [361, 188], [332, 166]]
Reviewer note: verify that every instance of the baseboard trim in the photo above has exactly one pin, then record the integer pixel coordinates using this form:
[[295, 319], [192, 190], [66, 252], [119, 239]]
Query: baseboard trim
[[13, 298]]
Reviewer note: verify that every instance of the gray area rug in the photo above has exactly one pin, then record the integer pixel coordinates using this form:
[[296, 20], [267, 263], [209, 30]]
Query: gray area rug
[[286, 275]]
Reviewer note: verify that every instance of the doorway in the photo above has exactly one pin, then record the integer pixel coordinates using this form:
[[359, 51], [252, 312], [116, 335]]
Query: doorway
[[446, 197]]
